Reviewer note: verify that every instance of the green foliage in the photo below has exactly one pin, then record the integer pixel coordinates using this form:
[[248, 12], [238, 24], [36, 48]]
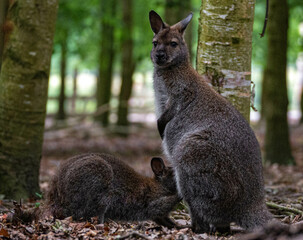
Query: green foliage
[[39, 195], [260, 44], [79, 24]]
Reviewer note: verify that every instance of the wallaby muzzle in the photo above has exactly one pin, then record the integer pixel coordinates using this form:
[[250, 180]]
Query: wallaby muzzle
[[161, 58]]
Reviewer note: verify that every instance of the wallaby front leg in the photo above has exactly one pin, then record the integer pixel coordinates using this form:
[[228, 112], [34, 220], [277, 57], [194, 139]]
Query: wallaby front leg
[[165, 221], [161, 207], [163, 121], [169, 113], [173, 106]]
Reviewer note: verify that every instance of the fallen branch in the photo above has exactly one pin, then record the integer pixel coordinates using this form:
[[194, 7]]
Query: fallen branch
[[283, 208]]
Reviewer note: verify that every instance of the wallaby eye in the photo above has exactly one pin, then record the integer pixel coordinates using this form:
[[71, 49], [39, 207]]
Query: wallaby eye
[[155, 43], [173, 44]]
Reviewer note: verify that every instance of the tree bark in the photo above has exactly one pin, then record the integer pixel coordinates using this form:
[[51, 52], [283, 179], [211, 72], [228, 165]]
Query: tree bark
[[74, 97], [277, 146], [63, 62], [107, 53], [264, 95], [176, 10], [224, 49], [3, 13], [23, 95], [128, 65]]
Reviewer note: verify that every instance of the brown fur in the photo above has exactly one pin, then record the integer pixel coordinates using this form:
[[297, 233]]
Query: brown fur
[[101, 185], [214, 152]]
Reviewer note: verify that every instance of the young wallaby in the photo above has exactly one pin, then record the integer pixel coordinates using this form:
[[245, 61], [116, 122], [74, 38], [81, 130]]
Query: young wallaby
[[214, 152], [101, 185]]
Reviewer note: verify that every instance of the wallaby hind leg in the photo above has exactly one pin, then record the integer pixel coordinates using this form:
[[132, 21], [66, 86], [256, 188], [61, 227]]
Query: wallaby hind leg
[[198, 224]]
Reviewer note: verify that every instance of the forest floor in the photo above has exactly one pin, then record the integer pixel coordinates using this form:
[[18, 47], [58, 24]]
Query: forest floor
[[283, 186]]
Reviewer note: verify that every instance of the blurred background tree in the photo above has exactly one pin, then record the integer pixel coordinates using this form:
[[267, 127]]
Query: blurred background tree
[[275, 104], [106, 61], [127, 62]]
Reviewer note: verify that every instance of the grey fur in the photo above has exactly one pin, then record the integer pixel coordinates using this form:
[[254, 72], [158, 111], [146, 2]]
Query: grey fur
[[214, 152], [101, 185]]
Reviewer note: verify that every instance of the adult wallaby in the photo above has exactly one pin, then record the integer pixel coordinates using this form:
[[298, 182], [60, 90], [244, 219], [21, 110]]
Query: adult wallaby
[[101, 185], [213, 150]]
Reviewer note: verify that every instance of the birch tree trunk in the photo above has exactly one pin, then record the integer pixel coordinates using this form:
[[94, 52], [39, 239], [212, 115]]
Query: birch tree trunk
[[224, 49], [23, 95], [277, 146]]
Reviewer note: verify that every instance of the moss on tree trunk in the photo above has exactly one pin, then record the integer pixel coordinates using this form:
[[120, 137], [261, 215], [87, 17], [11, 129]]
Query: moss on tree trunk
[[224, 49], [3, 12], [277, 146], [23, 95]]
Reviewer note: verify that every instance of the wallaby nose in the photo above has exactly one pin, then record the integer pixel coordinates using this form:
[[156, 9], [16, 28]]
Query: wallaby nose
[[160, 55]]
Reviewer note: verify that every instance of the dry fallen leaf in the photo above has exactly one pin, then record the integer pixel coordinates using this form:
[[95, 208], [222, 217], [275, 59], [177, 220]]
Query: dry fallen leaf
[[4, 233]]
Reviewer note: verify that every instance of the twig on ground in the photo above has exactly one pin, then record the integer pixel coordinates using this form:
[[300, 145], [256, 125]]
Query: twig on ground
[[283, 208]]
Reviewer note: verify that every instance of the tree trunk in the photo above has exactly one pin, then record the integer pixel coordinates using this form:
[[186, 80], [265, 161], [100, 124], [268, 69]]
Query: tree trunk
[[224, 49], [23, 95], [104, 83], [277, 146], [61, 101], [74, 98], [264, 95], [128, 65], [176, 10], [3, 13]]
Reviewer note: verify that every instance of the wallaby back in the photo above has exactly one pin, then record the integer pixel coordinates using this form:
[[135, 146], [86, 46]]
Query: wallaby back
[[101, 185], [212, 148]]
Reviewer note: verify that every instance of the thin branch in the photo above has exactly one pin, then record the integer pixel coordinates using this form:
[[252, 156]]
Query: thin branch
[[265, 20], [283, 208]]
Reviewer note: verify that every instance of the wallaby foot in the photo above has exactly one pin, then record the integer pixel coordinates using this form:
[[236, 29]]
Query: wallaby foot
[[166, 222], [102, 210], [200, 226], [219, 229]]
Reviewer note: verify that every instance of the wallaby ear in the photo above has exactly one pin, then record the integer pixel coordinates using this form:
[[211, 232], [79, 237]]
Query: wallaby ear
[[183, 23], [156, 22], [157, 166]]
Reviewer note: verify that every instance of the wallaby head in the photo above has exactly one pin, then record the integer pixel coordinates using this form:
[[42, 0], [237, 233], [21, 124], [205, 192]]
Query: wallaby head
[[164, 175], [169, 47]]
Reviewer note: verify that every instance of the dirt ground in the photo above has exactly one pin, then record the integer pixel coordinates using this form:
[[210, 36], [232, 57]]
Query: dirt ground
[[284, 188]]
